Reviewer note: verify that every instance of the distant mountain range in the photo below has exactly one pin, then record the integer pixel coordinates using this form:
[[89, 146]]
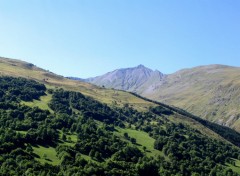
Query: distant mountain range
[[212, 91]]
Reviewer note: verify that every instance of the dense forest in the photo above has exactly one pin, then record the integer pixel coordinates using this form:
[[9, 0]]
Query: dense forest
[[227, 133], [99, 149]]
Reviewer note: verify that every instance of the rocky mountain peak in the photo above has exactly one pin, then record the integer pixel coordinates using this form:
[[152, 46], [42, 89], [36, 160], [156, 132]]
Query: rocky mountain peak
[[127, 78]]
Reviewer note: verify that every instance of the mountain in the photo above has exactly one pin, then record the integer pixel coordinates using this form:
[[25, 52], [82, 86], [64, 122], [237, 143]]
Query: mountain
[[211, 92], [51, 125], [130, 79]]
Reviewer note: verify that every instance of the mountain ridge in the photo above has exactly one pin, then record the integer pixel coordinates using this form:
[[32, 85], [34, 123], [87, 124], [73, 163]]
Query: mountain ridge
[[210, 91], [126, 79]]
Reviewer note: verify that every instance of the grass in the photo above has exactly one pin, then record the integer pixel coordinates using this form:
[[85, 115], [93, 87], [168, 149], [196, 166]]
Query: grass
[[42, 103], [88, 158], [46, 155], [71, 139], [22, 132], [235, 168], [72, 142], [142, 139], [49, 154]]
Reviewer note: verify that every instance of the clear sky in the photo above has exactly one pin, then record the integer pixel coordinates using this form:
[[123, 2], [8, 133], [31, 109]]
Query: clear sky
[[85, 38]]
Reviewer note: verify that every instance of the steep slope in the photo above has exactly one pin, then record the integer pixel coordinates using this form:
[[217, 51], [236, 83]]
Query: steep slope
[[211, 92]]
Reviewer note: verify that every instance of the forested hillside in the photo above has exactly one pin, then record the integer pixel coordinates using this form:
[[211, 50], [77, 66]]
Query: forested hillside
[[73, 134]]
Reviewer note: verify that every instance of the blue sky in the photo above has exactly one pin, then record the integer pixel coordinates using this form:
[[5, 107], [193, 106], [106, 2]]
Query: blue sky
[[86, 38]]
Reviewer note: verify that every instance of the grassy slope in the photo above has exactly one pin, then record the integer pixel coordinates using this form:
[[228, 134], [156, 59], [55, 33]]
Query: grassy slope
[[236, 167], [46, 155], [72, 137], [49, 154], [16, 68], [142, 139], [42, 103], [211, 92]]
